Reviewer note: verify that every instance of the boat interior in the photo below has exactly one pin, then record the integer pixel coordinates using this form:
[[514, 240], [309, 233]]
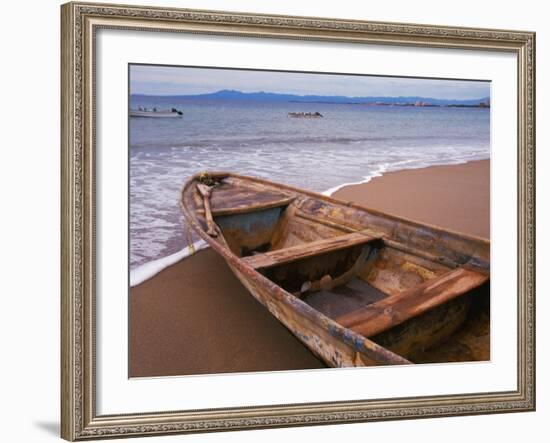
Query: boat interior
[[419, 302]]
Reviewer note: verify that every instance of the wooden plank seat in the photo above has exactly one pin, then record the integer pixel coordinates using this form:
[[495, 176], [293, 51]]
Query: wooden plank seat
[[287, 255], [392, 311], [229, 199]]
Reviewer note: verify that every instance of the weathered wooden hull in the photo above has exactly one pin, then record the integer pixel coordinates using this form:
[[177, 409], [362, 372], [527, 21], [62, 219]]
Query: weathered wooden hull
[[336, 346], [266, 243]]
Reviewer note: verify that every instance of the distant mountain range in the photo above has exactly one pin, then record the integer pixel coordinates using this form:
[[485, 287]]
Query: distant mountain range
[[228, 94]]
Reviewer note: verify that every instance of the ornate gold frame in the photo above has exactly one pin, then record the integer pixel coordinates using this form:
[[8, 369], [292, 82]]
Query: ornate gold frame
[[80, 21]]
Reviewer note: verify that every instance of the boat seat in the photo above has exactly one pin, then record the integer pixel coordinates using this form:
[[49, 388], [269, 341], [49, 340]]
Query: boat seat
[[287, 255], [229, 199], [392, 311]]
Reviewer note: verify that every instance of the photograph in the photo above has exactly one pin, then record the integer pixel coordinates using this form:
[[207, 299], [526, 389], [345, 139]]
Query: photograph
[[292, 217], [286, 220]]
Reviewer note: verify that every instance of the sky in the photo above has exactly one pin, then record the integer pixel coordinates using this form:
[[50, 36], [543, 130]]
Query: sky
[[163, 80]]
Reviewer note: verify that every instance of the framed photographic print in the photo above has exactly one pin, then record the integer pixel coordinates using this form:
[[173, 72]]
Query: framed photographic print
[[276, 221]]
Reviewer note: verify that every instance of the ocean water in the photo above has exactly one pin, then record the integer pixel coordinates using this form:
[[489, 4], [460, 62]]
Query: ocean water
[[352, 143]]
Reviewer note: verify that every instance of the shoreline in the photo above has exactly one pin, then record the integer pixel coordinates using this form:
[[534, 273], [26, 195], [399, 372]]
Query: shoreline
[[383, 171], [149, 269]]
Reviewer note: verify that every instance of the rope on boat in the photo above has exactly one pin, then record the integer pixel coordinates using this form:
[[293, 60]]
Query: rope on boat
[[190, 244]]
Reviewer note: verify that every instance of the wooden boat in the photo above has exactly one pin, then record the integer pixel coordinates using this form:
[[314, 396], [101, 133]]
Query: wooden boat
[[357, 286], [169, 113]]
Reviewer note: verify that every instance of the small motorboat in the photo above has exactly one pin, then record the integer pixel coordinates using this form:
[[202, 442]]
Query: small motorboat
[[155, 113], [357, 286], [305, 115]]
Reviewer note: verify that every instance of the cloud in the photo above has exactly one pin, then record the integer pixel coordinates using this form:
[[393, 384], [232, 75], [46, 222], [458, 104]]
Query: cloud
[[164, 80]]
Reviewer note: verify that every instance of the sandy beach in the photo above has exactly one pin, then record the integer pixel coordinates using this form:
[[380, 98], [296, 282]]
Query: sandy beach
[[195, 317], [455, 197]]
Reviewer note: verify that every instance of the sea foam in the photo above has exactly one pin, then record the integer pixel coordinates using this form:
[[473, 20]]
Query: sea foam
[[150, 269]]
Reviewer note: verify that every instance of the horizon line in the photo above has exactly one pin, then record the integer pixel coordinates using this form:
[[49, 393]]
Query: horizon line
[[308, 95]]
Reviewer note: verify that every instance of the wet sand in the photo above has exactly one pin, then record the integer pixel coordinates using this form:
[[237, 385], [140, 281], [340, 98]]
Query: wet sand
[[195, 317], [455, 197]]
